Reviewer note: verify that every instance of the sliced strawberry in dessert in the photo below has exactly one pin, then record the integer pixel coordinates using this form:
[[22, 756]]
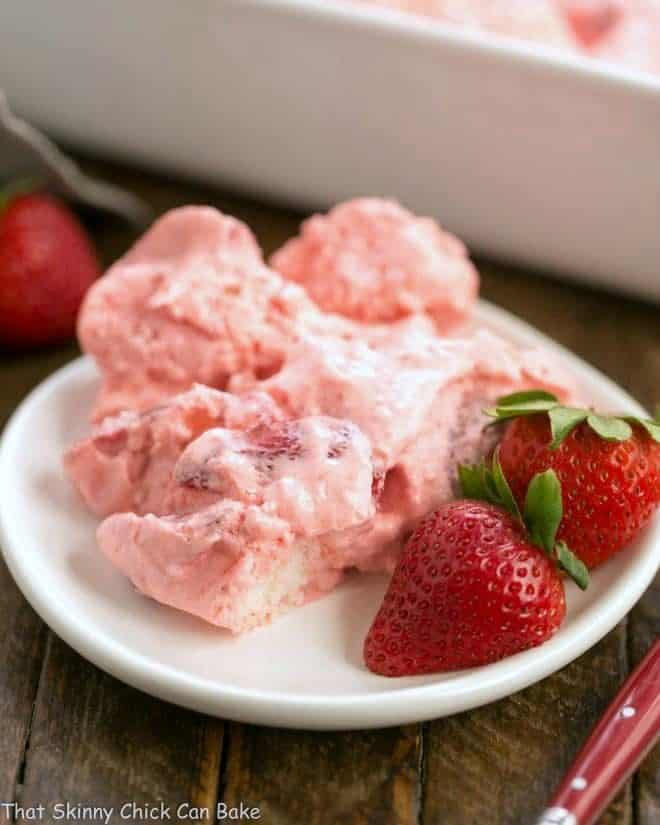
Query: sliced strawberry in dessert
[[127, 462], [593, 20], [314, 472]]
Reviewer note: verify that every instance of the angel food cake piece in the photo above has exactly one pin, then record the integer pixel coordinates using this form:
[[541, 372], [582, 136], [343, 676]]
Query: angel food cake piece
[[370, 443], [281, 492]]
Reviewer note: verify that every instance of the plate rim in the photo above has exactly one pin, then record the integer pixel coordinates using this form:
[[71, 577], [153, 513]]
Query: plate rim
[[347, 711]]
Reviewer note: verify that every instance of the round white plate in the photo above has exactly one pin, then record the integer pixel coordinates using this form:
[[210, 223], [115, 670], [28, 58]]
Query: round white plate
[[305, 670]]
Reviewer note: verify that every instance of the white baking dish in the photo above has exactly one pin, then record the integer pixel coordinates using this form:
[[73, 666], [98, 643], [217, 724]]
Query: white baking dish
[[543, 158]]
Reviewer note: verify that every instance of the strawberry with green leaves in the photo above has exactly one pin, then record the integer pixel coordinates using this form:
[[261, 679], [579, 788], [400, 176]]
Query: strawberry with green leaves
[[479, 578], [608, 468], [477, 581]]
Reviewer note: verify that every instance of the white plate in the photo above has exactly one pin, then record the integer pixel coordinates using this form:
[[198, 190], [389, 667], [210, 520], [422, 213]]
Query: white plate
[[303, 671], [526, 153]]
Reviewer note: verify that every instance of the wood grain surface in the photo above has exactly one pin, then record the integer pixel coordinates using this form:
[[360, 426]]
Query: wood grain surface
[[71, 733]]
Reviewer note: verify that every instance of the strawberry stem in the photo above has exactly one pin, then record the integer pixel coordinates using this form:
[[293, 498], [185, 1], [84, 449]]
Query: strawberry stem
[[563, 420], [543, 510]]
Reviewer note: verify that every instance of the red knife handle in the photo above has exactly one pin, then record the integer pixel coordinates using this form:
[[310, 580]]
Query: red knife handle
[[616, 746]]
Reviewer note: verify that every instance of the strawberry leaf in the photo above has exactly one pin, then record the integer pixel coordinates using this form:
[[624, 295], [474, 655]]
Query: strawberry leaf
[[515, 411], [562, 421], [543, 509], [651, 427], [522, 403], [491, 487], [472, 481], [572, 565], [479, 482], [609, 428], [504, 493], [517, 399]]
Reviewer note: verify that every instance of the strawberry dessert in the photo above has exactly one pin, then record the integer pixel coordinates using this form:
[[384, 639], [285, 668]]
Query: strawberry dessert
[[635, 40], [626, 32], [374, 261], [191, 302], [259, 432]]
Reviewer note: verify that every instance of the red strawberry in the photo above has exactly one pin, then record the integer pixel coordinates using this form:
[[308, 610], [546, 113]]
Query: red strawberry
[[469, 589], [609, 470], [46, 265]]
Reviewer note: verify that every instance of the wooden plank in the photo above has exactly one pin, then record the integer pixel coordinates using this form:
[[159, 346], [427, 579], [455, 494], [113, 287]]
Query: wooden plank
[[500, 764], [95, 741], [23, 638], [22, 644], [618, 335], [365, 778]]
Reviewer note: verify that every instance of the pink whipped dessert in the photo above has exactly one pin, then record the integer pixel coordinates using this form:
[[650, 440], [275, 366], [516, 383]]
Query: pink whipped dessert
[[626, 32], [128, 462], [635, 40], [332, 435], [191, 302], [540, 21], [374, 261]]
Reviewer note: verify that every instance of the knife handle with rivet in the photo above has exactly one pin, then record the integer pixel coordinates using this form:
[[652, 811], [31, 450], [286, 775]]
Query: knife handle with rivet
[[616, 746]]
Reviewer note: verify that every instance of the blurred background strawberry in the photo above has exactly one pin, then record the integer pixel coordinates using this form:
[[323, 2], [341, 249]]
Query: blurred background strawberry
[[47, 263]]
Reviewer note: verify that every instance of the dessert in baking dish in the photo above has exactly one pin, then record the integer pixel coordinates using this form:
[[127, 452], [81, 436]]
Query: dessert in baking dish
[[626, 32]]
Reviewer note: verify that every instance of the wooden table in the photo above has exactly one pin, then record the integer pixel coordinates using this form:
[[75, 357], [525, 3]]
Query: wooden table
[[70, 733]]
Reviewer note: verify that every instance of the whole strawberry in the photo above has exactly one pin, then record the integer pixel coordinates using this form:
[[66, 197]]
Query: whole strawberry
[[608, 467], [46, 265], [469, 589]]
